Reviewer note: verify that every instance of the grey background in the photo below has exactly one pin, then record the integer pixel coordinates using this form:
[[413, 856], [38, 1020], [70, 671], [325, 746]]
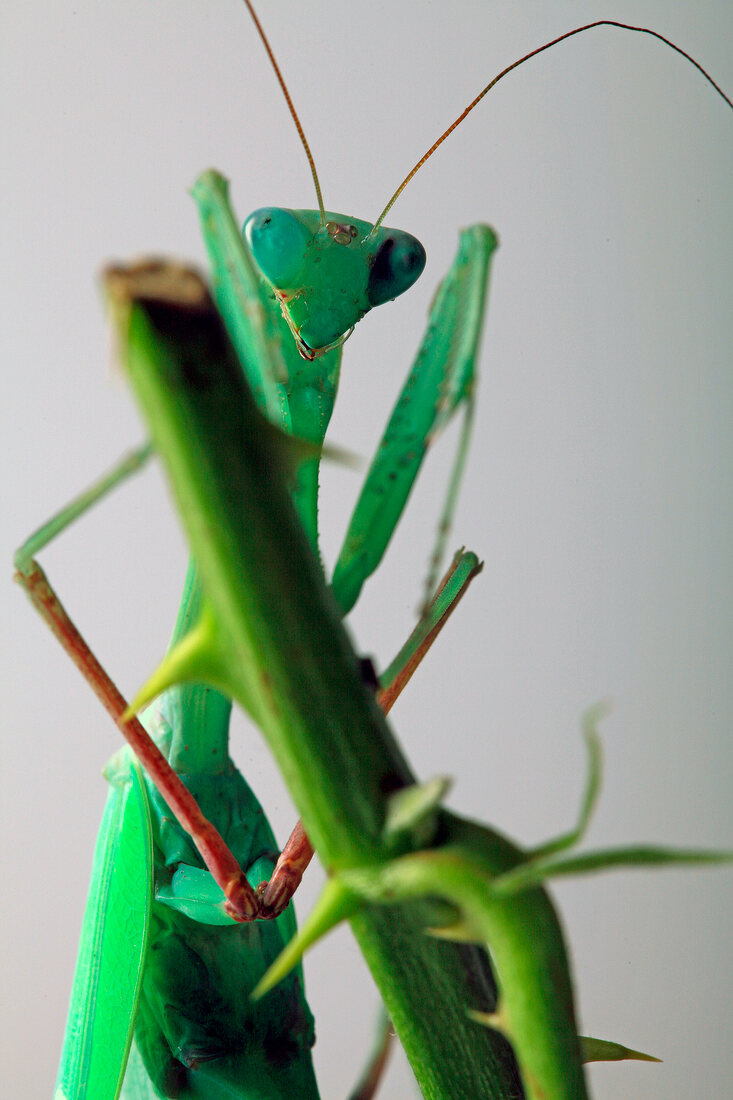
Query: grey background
[[598, 489]]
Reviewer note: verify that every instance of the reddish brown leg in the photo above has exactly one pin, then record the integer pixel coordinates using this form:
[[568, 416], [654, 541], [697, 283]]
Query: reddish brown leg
[[241, 899], [297, 853], [275, 895], [388, 695], [368, 1083]]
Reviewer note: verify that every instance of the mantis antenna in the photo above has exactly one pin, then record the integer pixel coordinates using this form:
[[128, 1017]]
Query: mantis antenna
[[291, 108], [515, 65]]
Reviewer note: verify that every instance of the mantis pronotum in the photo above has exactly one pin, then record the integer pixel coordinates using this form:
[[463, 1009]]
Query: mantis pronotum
[[496, 202]]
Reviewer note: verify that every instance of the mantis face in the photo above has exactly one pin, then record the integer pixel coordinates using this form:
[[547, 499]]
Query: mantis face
[[327, 276]]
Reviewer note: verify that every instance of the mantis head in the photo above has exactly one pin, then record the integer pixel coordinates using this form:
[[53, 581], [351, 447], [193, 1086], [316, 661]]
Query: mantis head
[[328, 271]]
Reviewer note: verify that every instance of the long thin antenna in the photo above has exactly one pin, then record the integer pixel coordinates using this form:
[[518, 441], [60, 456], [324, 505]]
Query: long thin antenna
[[291, 108], [516, 64]]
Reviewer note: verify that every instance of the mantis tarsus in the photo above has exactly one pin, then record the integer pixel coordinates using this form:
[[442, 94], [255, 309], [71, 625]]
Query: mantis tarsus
[[350, 349]]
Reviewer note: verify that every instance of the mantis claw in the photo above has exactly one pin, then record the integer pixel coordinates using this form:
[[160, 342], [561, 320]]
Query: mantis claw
[[412, 810], [241, 900]]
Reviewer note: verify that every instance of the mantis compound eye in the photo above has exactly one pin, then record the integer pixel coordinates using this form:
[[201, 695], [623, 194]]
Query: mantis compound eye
[[399, 262], [278, 242]]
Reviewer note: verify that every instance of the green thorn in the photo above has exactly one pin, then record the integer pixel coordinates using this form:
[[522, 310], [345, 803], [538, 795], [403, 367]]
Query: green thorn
[[494, 1020], [591, 1050], [292, 450], [414, 806], [601, 1050], [336, 903], [342, 456], [196, 657], [460, 931]]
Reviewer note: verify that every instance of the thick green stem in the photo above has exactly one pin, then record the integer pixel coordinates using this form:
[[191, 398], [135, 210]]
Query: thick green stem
[[282, 648]]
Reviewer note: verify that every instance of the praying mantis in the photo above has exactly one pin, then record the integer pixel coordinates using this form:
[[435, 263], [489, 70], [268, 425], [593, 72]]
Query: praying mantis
[[404, 358]]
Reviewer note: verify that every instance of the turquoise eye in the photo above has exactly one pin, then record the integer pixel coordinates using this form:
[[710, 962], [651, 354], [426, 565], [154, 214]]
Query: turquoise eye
[[399, 262], [278, 242]]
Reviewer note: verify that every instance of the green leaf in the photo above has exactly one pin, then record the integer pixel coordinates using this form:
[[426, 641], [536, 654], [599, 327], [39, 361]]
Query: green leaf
[[114, 934]]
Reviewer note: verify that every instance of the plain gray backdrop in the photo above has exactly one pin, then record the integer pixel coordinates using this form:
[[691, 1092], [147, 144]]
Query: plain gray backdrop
[[598, 489]]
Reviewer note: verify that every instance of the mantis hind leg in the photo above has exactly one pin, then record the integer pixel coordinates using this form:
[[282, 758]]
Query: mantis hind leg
[[241, 898], [48, 531]]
